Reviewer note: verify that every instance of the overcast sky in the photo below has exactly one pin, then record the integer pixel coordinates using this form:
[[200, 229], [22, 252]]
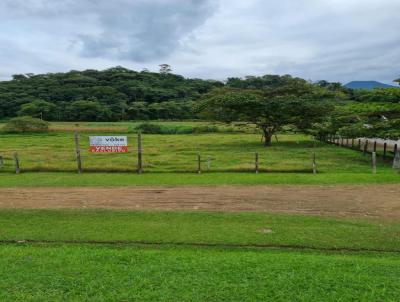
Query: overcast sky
[[336, 40]]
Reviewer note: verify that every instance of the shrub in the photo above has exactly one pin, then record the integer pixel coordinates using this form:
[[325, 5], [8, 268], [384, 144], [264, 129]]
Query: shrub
[[38, 108], [149, 128], [26, 124]]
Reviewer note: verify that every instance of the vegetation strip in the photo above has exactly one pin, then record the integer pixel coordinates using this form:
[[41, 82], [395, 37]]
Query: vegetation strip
[[26, 180]]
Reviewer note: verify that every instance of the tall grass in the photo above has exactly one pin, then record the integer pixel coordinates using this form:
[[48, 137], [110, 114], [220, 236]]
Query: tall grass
[[178, 153], [220, 152]]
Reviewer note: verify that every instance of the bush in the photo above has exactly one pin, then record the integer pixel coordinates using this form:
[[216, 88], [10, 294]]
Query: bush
[[26, 124], [150, 128]]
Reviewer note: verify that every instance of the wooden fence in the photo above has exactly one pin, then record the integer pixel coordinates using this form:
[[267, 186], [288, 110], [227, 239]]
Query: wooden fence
[[385, 148]]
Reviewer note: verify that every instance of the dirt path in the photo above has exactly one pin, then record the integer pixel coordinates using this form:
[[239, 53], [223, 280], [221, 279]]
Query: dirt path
[[371, 200]]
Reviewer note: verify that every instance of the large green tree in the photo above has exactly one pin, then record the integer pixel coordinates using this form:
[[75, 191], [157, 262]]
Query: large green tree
[[270, 111], [39, 109]]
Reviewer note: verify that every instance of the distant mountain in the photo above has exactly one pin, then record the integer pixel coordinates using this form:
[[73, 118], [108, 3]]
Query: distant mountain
[[368, 85]]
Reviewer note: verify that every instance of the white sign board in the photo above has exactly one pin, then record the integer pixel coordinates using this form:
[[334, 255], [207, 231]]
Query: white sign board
[[108, 144]]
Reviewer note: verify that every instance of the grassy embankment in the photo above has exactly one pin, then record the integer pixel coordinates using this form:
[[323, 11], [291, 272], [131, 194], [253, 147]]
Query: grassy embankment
[[171, 270]]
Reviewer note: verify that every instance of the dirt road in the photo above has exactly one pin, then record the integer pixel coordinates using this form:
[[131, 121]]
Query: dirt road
[[364, 201]]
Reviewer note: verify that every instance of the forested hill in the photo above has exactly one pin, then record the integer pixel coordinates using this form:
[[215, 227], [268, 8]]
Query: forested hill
[[121, 94], [113, 94]]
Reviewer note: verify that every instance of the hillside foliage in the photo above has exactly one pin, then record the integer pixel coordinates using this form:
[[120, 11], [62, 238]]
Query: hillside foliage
[[110, 95], [270, 101]]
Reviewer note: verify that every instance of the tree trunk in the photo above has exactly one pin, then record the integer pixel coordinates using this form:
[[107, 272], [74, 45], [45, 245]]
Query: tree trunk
[[267, 135], [267, 139]]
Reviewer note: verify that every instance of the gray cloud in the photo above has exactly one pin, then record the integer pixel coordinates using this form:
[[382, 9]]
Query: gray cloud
[[138, 30], [144, 30], [337, 40]]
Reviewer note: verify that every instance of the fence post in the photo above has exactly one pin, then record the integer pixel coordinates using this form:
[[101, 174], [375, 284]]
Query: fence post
[[352, 143], [375, 146], [347, 142], [139, 153], [396, 161], [365, 147], [373, 162], [359, 144], [198, 164], [384, 150], [16, 163], [1, 162], [395, 149], [314, 164], [256, 163], [78, 152]]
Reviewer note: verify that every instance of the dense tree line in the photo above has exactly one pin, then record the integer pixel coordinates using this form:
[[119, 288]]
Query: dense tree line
[[110, 95], [271, 101]]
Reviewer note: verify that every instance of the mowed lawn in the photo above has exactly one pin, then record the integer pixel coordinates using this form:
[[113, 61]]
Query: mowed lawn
[[208, 228], [75, 255], [107, 273]]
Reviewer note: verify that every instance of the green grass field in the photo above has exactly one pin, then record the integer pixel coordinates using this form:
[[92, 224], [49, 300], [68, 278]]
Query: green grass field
[[105, 255], [69, 255], [228, 152], [70, 179], [93, 273], [199, 228], [178, 153]]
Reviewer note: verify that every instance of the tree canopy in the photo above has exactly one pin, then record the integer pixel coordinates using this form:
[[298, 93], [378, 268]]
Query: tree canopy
[[270, 102], [113, 94]]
